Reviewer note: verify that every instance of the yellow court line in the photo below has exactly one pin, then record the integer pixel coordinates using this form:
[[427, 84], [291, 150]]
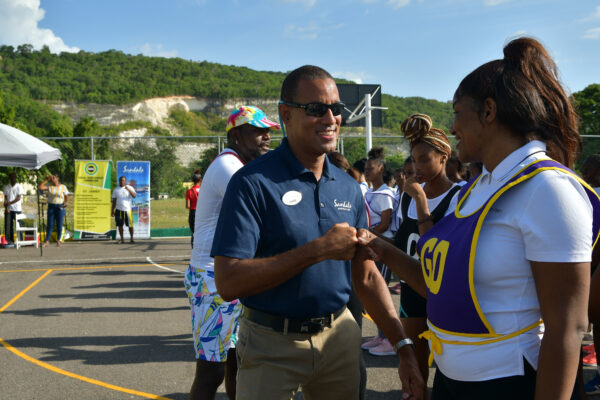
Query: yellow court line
[[80, 377], [80, 268], [17, 297], [59, 370]]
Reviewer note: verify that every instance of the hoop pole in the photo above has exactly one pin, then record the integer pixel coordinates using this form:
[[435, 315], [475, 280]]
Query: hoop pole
[[368, 129]]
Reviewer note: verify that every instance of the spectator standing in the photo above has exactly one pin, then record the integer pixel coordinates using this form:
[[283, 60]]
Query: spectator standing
[[428, 196], [359, 166], [13, 198], [121, 208], [58, 198], [191, 198], [215, 321], [380, 200]]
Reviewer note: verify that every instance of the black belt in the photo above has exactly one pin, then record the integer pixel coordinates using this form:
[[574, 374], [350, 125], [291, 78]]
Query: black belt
[[291, 325]]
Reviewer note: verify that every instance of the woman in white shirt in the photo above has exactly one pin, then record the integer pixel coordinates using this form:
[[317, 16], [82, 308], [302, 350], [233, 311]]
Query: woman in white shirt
[[380, 199], [507, 274], [380, 202], [428, 196]]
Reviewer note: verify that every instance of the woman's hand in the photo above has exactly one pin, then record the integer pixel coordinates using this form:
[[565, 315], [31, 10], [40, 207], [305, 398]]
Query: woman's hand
[[407, 268], [413, 188], [371, 246]]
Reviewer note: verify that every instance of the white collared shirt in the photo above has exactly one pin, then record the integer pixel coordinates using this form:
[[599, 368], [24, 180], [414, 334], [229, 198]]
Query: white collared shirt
[[547, 218]]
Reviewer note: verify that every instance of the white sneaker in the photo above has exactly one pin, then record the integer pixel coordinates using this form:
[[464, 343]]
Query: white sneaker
[[384, 349], [369, 344]]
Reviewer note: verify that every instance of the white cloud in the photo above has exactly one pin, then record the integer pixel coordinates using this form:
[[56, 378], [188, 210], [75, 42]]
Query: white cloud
[[593, 33], [156, 50], [307, 3], [492, 3], [594, 15], [19, 25], [398, 3], [310, 31], [356, 77]]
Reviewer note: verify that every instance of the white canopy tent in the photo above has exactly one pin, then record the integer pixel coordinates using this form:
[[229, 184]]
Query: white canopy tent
[[20, 149]]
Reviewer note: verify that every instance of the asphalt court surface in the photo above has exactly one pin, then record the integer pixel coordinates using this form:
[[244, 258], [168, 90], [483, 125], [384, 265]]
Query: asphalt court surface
[[99, 320]]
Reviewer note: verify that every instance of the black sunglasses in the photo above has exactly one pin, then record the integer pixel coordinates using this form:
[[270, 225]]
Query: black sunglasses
[[318, 109]]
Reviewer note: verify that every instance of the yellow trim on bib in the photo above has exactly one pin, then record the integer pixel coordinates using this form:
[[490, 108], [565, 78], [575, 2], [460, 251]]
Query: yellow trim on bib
[[437, 347], [491, 335], [477, 232], [456, 210]]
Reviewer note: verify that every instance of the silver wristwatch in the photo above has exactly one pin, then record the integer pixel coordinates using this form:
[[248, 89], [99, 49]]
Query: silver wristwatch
[[402, 343]]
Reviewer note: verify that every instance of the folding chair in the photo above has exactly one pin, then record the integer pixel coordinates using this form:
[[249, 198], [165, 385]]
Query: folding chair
[[22, 232]]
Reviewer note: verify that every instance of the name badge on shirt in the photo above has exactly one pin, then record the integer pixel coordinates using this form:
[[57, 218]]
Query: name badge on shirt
[[291, 198]]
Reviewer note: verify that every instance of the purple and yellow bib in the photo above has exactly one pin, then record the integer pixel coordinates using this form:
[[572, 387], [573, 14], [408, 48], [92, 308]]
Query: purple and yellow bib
[[447, 254]]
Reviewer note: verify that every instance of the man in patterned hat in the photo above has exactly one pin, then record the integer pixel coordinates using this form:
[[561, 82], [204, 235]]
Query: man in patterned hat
[[215, 321]]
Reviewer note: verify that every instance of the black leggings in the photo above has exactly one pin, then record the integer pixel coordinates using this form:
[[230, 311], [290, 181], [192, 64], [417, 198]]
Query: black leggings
[[192, 221], [512, 387]]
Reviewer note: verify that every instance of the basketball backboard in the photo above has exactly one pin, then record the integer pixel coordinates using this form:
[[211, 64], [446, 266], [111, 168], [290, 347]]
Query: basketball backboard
[[352, 95]]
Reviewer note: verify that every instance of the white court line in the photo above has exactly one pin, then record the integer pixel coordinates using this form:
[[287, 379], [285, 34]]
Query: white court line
[[161, 267], [46, 262]]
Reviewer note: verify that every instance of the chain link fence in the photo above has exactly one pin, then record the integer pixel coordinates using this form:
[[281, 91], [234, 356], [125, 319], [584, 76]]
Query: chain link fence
[[173, 160]]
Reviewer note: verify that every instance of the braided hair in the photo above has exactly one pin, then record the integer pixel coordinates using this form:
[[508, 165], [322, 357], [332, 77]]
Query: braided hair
[[418, 129]]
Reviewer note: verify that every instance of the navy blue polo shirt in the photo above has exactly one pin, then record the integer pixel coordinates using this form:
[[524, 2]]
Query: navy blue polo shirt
[[274, 204]]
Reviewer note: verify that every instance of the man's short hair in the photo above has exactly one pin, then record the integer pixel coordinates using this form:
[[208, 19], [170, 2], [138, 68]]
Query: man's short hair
[[122, 177], [289, 87]]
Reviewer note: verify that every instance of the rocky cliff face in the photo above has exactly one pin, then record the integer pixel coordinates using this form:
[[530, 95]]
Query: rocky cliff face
[[156, 110]]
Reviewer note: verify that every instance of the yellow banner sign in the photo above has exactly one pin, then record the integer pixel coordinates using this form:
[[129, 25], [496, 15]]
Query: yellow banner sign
[[92, 199]]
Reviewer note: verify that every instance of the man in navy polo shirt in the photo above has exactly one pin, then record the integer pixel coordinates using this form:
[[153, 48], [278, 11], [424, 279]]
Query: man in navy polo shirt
[[284, 243]]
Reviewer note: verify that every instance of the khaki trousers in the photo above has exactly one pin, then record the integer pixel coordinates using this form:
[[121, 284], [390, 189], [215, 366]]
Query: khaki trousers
[[272, 365]]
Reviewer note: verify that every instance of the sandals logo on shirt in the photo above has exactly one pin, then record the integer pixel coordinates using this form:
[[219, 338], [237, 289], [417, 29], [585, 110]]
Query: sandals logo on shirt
[[342, 205]]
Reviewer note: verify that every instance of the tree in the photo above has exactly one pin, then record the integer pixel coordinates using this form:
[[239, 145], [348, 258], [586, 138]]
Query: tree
[[207, 157], [7, 113], [587, 103]]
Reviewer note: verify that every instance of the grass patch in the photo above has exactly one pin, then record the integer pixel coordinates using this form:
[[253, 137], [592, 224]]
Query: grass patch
[[170, 213]]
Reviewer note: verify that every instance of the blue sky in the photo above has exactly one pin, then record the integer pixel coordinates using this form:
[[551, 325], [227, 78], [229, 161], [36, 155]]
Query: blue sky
[[410, 47]]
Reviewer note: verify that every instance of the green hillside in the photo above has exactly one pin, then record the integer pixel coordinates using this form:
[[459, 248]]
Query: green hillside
[[29, 78], [113, 77]]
